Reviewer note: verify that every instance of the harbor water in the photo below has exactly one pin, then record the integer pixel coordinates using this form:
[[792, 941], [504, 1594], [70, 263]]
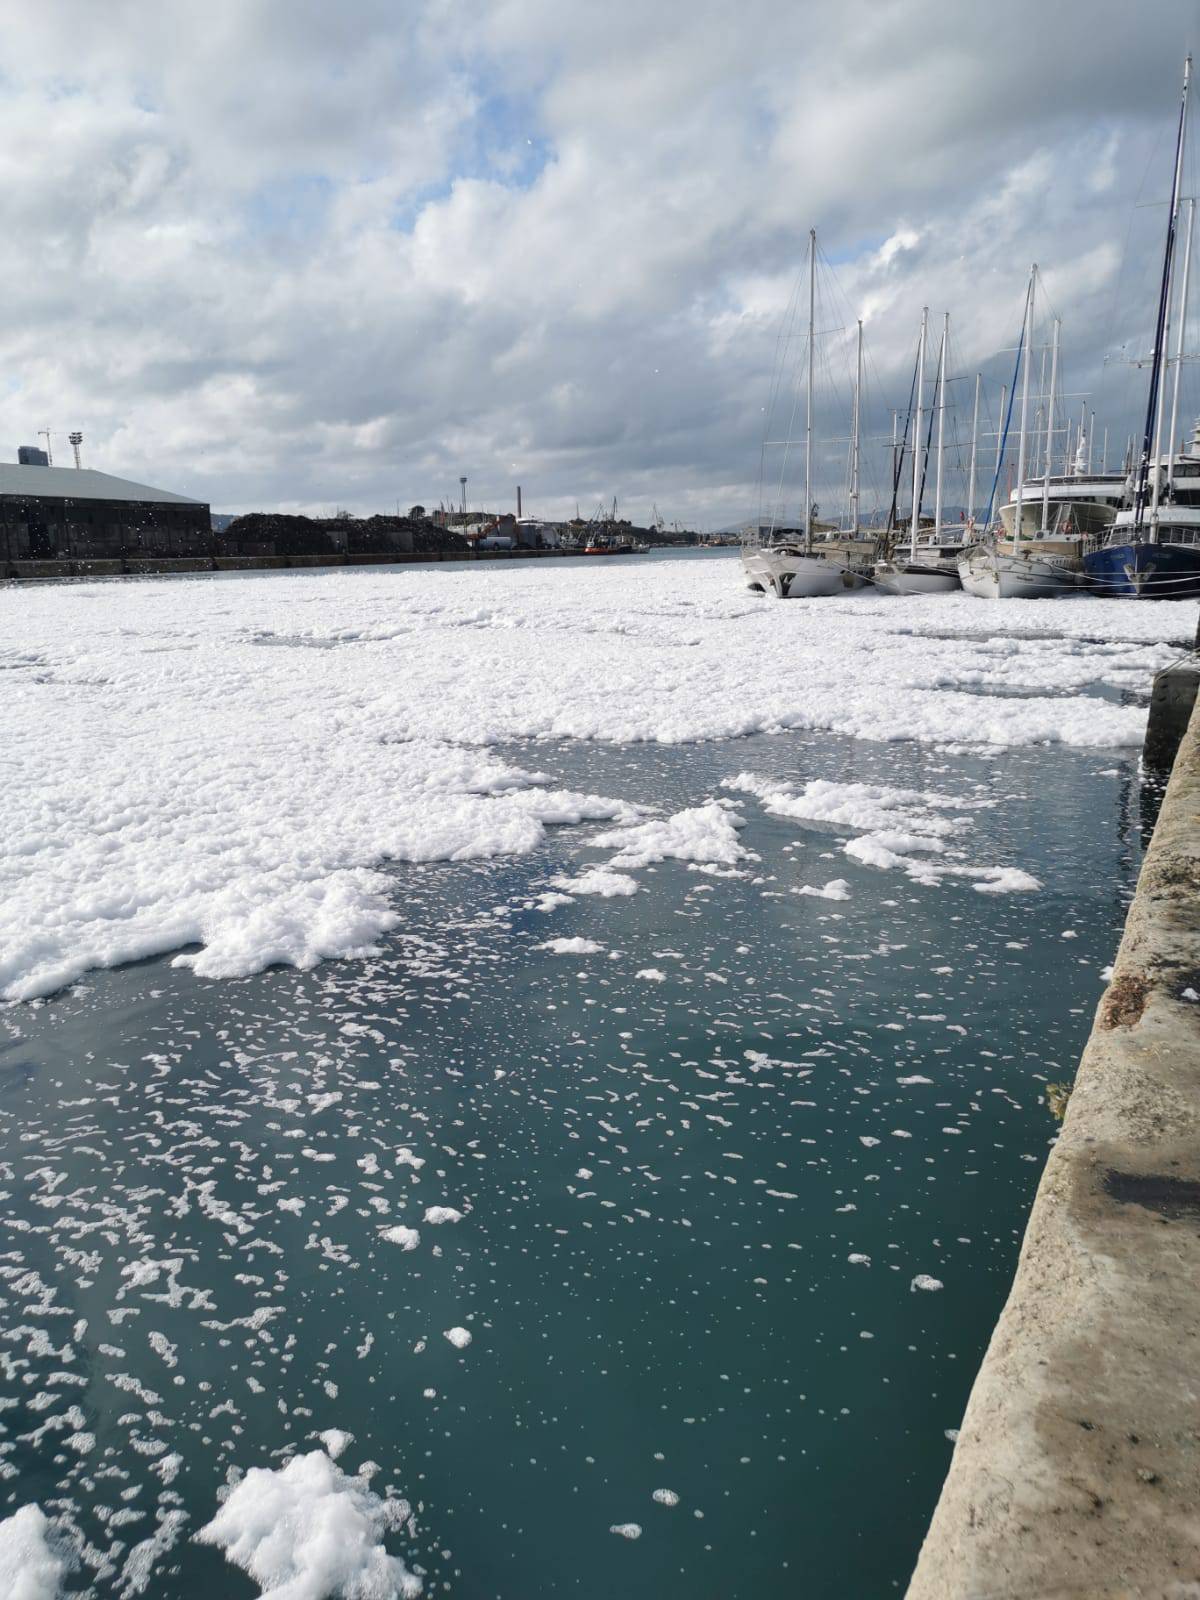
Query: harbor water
[[726, 1197]]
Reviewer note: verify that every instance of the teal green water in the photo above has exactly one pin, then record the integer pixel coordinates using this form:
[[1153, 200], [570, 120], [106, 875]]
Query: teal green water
[[661, 1184]]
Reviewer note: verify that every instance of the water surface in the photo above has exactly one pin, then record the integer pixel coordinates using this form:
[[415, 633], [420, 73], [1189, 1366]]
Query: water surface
[[662, 1179]]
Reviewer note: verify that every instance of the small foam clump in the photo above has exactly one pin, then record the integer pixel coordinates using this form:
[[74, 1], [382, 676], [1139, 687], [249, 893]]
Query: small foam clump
[[570, 947], [835, 889], [406, 1238]]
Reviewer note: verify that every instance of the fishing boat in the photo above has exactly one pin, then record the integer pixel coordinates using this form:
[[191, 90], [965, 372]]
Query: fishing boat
[[929, 565], [1151, 551]]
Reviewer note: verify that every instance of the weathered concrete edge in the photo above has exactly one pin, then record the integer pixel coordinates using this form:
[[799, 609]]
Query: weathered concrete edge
[[1077, 1469], [1172, 700]]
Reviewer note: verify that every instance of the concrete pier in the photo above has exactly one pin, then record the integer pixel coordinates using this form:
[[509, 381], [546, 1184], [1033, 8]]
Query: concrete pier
[[1171, 703], [1077, 1469]]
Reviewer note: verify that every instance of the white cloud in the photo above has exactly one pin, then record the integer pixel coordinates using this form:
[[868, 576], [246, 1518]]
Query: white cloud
[[302, 255]]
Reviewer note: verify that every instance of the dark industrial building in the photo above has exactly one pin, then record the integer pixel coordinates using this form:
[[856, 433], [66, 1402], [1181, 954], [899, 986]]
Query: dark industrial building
[[75, 514]]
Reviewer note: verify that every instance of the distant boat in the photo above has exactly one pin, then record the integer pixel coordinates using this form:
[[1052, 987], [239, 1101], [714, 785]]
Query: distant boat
[[1153, 548]]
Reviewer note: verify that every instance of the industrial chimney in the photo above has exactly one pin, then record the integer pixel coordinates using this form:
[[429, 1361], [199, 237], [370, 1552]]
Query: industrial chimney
[[518, 502]]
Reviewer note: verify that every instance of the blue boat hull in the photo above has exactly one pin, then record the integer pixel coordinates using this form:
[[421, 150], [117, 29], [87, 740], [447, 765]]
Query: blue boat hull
[[1144, 571]]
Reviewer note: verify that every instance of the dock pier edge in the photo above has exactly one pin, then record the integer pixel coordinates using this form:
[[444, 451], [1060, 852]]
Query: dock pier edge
[[1077, 1467]]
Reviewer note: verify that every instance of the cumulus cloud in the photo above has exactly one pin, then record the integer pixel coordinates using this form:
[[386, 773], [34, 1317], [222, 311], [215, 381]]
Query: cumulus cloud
[[285, 253]]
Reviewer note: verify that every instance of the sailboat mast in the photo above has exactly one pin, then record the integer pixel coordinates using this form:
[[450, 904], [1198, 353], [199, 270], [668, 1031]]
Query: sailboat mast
[[808, 419], [854, 440], [1026, 338], [974, 450], [941, 444], [1050, 429], [916, 495], [1183, 311], [1164, 293], [1156, 481]]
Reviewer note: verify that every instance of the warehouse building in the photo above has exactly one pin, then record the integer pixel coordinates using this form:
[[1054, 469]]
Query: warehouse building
[[73, 513]]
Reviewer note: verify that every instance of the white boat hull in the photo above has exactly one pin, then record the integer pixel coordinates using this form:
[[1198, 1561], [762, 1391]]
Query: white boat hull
[[790, 576], [905, 577], [990, 576]]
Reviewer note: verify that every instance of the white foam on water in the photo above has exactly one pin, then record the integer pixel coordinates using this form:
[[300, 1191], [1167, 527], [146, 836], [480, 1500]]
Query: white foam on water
[[29, 1568], [570, 947], [228, 765], [835, 889], [596, 880], [706, 833], [308, 1531], [406, 1238], [922, 832], [460, 1338], [335, 1441]]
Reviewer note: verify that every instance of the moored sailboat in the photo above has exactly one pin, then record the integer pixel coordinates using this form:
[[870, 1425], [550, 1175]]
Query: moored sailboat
[[1020, 568], [788, 568], [928, 567], [1152, 551]]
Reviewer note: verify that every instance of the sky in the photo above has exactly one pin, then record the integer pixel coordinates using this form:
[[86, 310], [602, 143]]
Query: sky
[[287, 254]]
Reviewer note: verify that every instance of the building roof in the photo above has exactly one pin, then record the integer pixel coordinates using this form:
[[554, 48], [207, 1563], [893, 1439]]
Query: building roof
[[80, 483]]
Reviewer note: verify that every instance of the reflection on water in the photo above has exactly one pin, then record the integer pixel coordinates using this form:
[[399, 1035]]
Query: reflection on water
[[696, 1173]]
